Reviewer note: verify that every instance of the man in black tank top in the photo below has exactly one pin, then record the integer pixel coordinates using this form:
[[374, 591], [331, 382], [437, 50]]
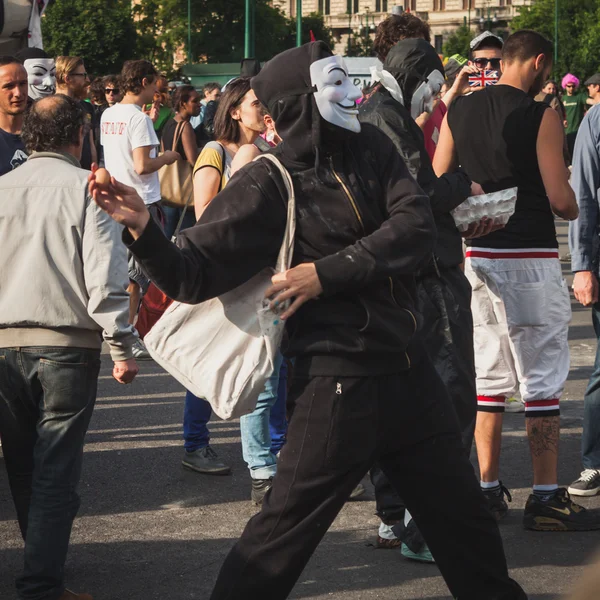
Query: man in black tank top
[[521, 306]]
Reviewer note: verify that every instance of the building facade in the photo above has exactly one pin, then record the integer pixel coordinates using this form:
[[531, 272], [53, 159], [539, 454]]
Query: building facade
[[351, 17]]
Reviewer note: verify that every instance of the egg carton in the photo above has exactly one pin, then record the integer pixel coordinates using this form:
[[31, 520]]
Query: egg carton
[[497, 206]]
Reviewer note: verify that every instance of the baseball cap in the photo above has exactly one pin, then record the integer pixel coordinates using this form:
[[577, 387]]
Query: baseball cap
[[476, 42], [593, 80]]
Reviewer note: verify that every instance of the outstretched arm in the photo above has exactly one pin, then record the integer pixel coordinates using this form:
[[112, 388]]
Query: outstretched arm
[[222, 251]]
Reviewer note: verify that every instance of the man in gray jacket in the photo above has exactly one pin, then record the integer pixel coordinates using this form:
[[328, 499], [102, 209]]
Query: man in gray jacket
[[583, 242], [63, 279]]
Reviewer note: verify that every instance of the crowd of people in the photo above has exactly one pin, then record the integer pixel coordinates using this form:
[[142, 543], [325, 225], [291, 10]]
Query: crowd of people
[[406, 339]]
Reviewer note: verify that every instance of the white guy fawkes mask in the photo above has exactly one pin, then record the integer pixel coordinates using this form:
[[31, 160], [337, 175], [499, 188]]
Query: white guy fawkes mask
[[41, 75], [335, 94], [424, 95]]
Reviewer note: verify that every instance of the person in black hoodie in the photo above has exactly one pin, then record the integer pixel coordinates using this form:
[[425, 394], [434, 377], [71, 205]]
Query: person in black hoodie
[[363, 389], [411, 73]]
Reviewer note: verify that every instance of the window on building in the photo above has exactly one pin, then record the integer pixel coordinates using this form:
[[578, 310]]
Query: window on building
[[320, 7], [468, 4], [439, 4], [384, 5], [438, 42], [355, 7], [410, 5], [377, 5]]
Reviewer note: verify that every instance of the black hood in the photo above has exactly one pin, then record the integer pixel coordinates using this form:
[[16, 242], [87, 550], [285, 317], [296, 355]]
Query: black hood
[[410, 62], [285, 88]]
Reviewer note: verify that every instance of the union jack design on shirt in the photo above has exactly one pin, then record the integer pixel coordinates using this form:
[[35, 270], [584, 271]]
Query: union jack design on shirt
[[483, 79]]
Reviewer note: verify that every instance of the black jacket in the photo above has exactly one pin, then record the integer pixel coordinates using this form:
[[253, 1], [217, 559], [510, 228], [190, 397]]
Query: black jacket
[[445, 192], [389, 115], [361, 219]]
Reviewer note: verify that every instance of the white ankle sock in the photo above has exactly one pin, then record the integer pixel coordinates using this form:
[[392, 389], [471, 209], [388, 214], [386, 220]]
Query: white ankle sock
[[488, 485]]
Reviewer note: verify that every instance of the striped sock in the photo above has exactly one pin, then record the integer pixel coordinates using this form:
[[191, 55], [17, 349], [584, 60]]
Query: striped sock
[[490, 486], [545, 492]]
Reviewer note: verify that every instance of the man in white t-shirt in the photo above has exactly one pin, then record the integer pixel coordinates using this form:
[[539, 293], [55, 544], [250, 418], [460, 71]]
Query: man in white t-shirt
[[131, 154]]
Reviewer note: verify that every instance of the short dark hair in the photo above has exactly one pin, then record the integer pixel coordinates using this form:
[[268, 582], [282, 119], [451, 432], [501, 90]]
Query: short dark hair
[[9, 60], [182, 95], [551, 81], [113, 80], [134, 72], [398, 27], [526, 44], [226, 127], [207, 88], [52, 124]]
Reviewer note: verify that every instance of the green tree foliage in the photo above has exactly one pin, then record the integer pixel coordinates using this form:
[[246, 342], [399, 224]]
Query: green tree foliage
[[217, 30], [360, 44], [458, 42], [102, 32], [313, 22], [578, 32]]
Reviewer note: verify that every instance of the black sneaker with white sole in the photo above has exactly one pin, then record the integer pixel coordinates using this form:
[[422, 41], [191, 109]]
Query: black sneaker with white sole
[[559, 513], [588, 483]]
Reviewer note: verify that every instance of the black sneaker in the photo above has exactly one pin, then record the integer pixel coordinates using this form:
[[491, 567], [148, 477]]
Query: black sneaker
[[559, 513], [205, 460], [259, 489], [588, 484], [496, 503]]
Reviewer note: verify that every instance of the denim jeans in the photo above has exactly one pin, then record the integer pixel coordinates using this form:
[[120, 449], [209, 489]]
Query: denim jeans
[[278, 420], [172, 216], [196, 414], [590, 441], [255, 429], [47, 396]]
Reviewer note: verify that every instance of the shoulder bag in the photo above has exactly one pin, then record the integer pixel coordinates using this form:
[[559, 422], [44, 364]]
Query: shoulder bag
[[224, 349], [176, 182]]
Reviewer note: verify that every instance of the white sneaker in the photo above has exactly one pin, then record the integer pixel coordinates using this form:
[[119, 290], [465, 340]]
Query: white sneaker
[[140, 352], [514, 405]]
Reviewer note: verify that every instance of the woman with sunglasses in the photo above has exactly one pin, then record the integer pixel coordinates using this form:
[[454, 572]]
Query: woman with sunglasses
[[238, 121]]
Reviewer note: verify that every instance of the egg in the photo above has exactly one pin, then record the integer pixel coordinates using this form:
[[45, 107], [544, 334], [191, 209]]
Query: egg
[[102, 177]]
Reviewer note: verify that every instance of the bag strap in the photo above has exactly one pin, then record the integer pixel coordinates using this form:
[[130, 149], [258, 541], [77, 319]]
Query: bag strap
[[183, 212], [284, 260], [177, 135], [223, 164]]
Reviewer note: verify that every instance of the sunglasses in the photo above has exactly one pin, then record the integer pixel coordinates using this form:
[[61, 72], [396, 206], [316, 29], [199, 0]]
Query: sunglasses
[[569, 85], [114, 91], [482, 63]]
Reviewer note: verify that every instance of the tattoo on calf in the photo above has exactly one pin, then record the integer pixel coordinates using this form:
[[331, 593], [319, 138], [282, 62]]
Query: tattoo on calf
[[543, 434]]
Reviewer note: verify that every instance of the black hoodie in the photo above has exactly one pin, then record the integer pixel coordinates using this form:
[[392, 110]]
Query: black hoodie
[[361, 219], [410, 61]]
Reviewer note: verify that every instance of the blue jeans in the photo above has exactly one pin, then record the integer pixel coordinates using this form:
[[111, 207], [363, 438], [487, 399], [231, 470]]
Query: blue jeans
[[47, 396], [196, 415], [590, 441], [278, 420], [172, 216], [255, 429]]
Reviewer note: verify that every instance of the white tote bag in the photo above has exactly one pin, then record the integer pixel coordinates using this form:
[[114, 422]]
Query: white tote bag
[[224, 349]]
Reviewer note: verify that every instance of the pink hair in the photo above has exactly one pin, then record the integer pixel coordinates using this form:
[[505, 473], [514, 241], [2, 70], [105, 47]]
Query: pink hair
[[568, 78]]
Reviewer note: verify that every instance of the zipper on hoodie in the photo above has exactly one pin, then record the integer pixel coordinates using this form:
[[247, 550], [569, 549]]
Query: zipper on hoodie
[[349, 196], [357, 213]]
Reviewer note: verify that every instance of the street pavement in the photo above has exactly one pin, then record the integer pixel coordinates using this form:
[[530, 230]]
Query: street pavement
[[148, 529]]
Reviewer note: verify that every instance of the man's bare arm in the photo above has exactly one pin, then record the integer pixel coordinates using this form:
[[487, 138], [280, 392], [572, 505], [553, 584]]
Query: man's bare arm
[[552, 167], [445, 159]]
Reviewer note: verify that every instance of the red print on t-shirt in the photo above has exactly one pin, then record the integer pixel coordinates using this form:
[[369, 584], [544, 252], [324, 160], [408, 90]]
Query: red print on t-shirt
[[113, 128]]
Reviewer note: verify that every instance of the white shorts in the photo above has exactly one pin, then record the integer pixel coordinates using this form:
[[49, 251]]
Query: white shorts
[[521, 314]]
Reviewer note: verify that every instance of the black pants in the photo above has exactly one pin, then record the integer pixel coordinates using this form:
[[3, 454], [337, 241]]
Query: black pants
[[447, 333], [339, 427]]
